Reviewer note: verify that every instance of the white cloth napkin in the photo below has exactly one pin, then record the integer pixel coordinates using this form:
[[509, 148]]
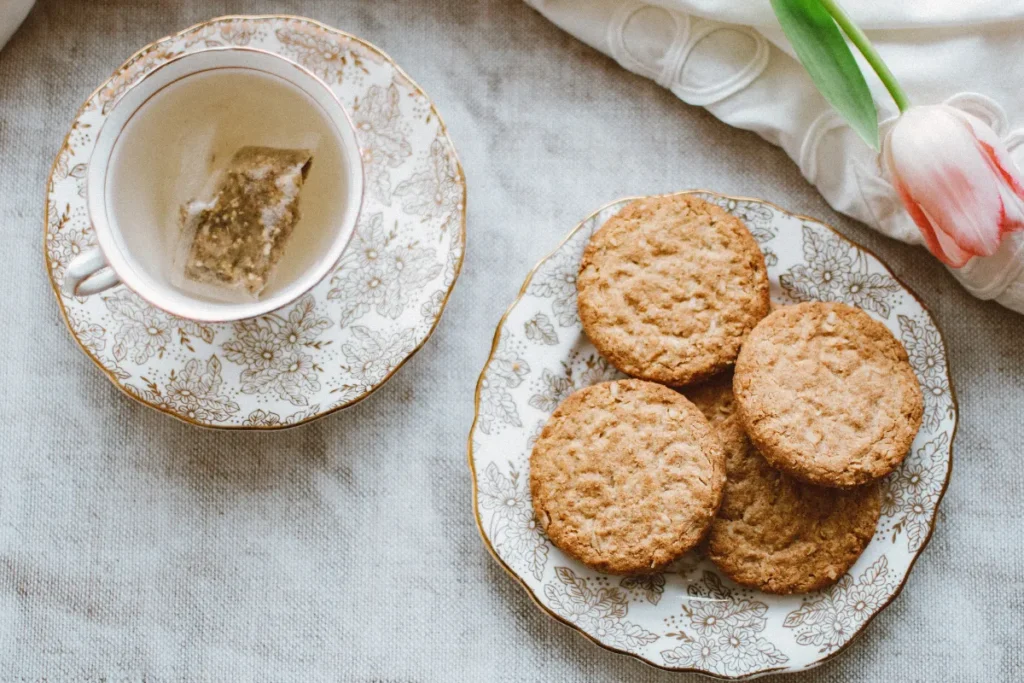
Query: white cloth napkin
[[12, 13], [732, 58]]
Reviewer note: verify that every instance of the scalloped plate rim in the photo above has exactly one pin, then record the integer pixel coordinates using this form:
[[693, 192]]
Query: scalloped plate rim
[[530, 591]]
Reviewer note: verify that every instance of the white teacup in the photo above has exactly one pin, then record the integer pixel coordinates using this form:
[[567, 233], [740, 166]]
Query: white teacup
[[156, 150]]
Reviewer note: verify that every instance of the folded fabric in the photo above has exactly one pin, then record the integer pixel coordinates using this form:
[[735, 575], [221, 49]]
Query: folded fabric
[[733, 59], [12, 13]]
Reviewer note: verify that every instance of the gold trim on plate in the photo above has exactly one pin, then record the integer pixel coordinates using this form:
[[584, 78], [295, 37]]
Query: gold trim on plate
[[443, 129], [476, 416]]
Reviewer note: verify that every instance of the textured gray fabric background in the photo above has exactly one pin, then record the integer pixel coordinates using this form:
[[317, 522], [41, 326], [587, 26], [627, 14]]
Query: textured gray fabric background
[[136, 548]]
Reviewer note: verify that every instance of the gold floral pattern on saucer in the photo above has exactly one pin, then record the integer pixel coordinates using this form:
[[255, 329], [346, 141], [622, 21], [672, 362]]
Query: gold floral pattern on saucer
[[690, 617], [356, 328]]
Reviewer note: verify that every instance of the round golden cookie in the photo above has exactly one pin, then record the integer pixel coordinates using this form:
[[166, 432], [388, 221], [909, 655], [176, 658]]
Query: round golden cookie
[[669, 287], [626, 476], [827, 394], [772, 532]]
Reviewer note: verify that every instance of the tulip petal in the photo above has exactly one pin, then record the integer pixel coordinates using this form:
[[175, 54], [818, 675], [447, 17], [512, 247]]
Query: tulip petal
[[949, 185], [1005, 166], [997, 154], [1011, 190], [954, 255], [958, 259]]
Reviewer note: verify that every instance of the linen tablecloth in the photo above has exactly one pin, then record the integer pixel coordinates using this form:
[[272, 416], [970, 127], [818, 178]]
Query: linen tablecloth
[[137, 548]]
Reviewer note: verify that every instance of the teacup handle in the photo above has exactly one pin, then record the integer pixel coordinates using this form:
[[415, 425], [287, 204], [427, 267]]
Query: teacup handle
[[88, 274]]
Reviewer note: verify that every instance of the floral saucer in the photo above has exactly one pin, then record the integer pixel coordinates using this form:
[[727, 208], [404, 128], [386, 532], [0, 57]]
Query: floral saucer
[[354, 330], [692, 618]]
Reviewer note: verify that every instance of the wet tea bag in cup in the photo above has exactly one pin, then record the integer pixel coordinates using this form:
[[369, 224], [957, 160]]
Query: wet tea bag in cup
[[235, 230]]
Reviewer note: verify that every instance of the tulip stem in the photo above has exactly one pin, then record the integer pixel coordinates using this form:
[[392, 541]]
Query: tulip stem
[[865, 47]]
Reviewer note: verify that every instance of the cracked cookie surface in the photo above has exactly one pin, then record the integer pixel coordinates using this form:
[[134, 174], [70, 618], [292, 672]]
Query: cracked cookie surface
[[626, 476], [827, 394], [670, 287], [773, 532]]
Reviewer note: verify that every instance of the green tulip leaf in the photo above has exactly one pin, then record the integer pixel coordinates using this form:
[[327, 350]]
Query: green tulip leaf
[[823, 51]]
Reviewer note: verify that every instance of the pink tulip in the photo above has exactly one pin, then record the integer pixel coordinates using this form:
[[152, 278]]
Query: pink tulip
[[957, 181]]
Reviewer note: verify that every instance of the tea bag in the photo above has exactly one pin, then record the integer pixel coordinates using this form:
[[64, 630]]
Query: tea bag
[[237, 235]]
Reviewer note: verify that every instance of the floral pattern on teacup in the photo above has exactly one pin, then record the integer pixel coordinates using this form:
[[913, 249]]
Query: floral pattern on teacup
[[352, 331]]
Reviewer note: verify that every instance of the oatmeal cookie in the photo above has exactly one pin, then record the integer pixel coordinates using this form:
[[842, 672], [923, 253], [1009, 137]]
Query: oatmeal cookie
[[626, 476], [827, 394], [773, 532], [670, 287]]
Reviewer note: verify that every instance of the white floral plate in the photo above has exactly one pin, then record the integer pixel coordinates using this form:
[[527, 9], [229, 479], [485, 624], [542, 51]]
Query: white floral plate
[[692, 618], [355, 329]]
